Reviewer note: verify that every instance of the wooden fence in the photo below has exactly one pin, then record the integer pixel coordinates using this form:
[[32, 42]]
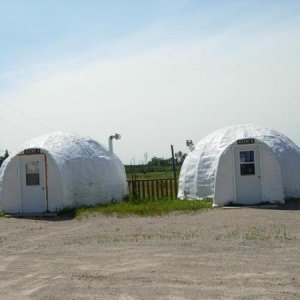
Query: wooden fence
[[152, 189]]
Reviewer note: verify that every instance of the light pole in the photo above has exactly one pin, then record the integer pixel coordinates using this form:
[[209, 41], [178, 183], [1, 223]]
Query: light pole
[[190, 145], [116, 136]]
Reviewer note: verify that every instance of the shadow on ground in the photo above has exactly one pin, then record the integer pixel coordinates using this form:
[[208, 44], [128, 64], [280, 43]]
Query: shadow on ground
[[290, 204]]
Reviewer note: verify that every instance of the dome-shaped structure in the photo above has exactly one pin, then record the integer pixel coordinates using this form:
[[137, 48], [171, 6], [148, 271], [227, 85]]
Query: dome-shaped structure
[[60, 170], [243, 164]]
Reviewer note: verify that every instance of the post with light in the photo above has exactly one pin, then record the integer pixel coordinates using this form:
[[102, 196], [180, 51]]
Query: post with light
[[190, 145]]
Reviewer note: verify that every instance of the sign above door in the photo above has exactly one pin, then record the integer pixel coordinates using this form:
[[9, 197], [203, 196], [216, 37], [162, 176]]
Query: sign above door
[[245, 141], [32, 151]]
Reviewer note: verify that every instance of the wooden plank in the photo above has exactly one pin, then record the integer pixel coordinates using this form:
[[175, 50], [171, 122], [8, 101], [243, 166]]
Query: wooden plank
[[166, 188], [157, 189], [152, 187], [146, 188], [129, 188], [172, 189], [149, 190], [137, 188], [175, 188], [143, 189]]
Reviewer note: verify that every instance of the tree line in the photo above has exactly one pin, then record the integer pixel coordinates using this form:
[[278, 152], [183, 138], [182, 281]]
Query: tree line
[[157, 164], [2, 158], [159, 161]]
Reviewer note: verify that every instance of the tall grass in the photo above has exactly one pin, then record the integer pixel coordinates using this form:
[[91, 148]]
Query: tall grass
[[142, 207]]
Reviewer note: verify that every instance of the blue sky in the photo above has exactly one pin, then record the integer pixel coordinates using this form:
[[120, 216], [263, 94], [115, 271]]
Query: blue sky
[[40, 27], [158, 72]]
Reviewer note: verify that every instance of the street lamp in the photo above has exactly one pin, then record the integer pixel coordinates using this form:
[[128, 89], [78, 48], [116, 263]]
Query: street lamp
[[190, 144]]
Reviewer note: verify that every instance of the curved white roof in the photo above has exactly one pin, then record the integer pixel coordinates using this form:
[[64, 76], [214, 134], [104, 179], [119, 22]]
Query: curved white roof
[[199, 167], [64, 146], [80, 170]]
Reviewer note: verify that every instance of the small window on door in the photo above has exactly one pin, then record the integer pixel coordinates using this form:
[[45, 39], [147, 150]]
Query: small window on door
[[247, 165], [246, 156], [32, 173], [247, 169]]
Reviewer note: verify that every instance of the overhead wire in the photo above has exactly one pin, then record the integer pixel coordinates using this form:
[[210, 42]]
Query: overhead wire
[[26, 115], [17, 127]]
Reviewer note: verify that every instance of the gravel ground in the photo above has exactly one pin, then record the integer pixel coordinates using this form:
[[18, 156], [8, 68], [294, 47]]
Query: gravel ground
[[238, 253]]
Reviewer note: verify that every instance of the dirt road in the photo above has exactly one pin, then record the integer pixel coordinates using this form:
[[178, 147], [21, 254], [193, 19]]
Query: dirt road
[[216, 254]]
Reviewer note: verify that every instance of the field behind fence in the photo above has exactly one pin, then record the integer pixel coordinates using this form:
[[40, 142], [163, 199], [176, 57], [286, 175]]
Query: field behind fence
[[153, 189]]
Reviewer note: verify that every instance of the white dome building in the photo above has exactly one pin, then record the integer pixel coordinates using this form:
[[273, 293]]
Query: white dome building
[[242, 164], [60, 170]]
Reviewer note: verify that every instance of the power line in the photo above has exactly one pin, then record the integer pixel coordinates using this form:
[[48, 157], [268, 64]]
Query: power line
[[26, 115], [17, 127]]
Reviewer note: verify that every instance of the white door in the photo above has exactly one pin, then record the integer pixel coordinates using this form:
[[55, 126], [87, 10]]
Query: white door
[[33, 183], [248, 174]]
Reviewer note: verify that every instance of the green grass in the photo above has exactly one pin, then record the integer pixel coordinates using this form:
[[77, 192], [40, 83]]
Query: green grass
[[151, 175], [2, 214], [141, 208]]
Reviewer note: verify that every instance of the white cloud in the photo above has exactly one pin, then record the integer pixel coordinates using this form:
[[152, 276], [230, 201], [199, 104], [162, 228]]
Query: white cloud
[[163, 94]]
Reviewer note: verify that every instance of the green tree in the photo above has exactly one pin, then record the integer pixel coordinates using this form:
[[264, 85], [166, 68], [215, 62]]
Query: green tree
[[2, 158]]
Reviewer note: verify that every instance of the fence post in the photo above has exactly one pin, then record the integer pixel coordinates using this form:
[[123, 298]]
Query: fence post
[[173, 161], [133, 187]]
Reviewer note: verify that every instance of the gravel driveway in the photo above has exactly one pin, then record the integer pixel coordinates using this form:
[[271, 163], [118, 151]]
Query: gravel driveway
[[238, 253]]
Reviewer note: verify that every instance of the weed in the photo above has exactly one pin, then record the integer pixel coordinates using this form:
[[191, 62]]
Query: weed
[[233, 234], [140, 208], [257, 233], [281, 233]]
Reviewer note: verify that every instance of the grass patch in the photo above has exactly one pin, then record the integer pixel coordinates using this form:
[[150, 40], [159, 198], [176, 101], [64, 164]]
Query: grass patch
[[258, 233], [2, 214], [141, 208], [151, 175]]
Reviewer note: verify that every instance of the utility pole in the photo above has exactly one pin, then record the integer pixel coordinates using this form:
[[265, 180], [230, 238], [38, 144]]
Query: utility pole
[[173, 161]]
